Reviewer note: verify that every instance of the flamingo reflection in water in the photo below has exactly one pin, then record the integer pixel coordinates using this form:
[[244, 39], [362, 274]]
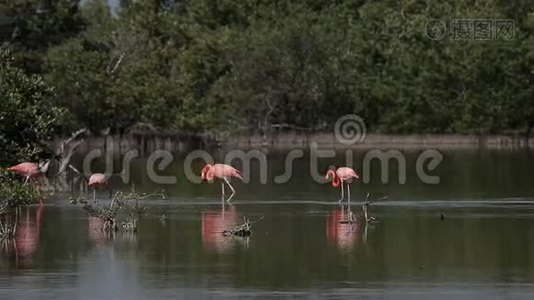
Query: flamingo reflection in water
[[339, 232], [97, 234], [213, 225], [26, 240]]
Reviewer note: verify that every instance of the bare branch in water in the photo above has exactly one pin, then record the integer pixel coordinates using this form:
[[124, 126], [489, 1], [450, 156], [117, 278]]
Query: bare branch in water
[[365, 207], [123, 205], [242, 230]]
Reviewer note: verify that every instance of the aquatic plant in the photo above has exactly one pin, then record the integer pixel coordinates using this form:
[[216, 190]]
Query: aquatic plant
[[13, 193], [123, 206], [7, 230]]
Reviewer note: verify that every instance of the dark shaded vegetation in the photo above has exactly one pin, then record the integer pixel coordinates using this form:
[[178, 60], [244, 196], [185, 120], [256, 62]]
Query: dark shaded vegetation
[[14, 194], [259, 66], [28, 117]]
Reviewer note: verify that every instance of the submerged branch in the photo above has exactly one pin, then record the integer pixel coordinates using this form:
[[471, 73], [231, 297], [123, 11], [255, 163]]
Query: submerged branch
[[7, 230], [243, 230], [365, 207], [122, 205]]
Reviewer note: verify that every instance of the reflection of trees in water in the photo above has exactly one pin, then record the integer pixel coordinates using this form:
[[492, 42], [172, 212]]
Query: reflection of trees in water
[[69, 181], [340, 233], [23, 246], [214, 223]]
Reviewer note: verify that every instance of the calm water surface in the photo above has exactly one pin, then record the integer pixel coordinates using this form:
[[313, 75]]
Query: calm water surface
[[482, 249]]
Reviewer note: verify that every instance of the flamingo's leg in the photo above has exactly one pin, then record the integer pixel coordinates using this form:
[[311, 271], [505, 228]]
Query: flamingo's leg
[[365, 213], [342, 196], [349, 211], [348, 194], [365, 235], [231, 187], [222, 195], [94, 194], [27, 180]]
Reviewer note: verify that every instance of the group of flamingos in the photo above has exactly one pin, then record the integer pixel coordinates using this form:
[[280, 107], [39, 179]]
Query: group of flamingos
[[339, 177]]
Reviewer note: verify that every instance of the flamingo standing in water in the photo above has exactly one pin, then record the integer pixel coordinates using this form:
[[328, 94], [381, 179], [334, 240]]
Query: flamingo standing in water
[[342, 176], [98, 180], [29, 170], [221, 171]]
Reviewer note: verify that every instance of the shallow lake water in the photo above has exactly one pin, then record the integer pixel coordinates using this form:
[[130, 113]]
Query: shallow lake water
[[469, 237]]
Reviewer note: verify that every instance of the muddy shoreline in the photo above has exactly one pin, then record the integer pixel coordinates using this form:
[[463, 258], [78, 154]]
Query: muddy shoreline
[[180, 143]]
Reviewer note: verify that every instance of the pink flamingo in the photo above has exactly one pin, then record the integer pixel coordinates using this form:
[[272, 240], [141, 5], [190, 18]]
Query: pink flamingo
[[98, 180], [339, 177], [221, 171], [29, 170]]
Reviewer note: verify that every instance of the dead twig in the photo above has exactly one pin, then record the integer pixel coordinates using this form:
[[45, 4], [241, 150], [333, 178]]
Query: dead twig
[[243, 230], [365, 207], [117, 63], [125, 204]]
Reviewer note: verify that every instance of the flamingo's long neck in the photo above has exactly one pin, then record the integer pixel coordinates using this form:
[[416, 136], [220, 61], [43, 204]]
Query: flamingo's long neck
[[209, 174], [335, 181]]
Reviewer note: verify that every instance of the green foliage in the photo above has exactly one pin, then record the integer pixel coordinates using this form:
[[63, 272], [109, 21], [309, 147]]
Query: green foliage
[[119, 72], [258, 65], [35, 25], [27, 117], [14, 194]]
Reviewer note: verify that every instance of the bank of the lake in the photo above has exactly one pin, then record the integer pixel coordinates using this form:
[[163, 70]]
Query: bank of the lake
[[146, 143]]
